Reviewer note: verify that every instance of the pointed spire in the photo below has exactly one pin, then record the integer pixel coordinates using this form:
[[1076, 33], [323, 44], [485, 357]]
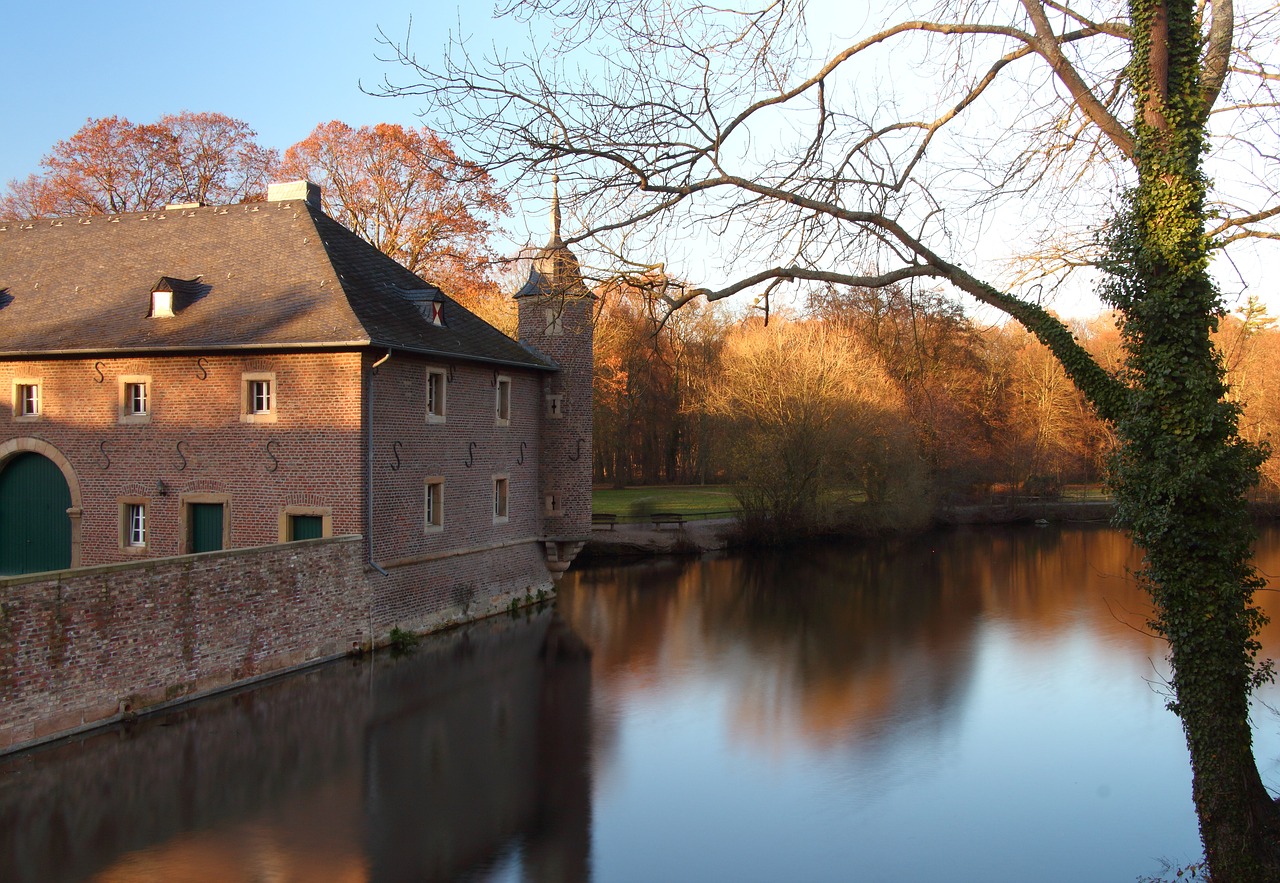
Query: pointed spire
[[555, 209]]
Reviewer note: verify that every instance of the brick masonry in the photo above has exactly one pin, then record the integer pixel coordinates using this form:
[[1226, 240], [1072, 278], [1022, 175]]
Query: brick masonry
[[81, 648]]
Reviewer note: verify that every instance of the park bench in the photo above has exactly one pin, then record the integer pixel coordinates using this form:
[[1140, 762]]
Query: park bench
[[604, 519], [661, 518]]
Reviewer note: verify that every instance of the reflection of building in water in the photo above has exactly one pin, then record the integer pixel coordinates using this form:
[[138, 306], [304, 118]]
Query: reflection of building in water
[[452, 781], [425, 768]]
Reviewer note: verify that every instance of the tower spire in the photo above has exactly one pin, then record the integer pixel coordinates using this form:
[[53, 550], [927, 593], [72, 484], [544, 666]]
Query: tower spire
[[555, 209]]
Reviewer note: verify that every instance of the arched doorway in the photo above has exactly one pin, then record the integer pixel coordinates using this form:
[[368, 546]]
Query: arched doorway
[[35, 527]]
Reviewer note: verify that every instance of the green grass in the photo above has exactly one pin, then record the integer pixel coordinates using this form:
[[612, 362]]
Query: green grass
[[686, 500]]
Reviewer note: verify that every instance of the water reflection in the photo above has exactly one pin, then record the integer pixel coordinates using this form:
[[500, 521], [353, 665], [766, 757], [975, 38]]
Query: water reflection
[[848, 645], [436, 766], [969, 705]]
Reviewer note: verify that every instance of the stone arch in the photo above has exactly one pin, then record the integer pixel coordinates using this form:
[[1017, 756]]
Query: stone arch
[[15, 446]]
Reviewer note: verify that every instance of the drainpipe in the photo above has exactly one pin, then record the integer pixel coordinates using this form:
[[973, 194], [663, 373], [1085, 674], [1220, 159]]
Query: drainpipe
[[373, 369]]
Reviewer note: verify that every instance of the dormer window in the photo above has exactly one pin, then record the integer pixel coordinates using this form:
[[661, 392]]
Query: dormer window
[[162, 304], [169, 296], [429, 302]]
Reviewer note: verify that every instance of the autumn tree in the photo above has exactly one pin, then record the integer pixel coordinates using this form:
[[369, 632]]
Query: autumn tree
[[113, 165], [407, 192], [689, 117], [935, 355], [650, 422], [815, 421]]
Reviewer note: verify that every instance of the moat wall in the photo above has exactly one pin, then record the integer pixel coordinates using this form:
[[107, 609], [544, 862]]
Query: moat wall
[[85, 647]]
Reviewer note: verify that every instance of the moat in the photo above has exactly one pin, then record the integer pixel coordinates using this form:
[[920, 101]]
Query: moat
[[975, 704]]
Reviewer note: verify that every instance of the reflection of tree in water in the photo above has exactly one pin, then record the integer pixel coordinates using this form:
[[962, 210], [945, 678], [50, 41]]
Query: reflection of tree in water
[[856, 645]]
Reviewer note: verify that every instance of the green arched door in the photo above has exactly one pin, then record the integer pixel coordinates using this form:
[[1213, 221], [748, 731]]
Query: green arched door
[[35, 530]]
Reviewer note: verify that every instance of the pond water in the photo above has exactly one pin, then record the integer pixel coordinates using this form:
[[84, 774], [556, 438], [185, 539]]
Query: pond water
[[969, 705]]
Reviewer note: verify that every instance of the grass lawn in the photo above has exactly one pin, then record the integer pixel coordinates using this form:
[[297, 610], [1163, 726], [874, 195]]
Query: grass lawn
[[687, 500]]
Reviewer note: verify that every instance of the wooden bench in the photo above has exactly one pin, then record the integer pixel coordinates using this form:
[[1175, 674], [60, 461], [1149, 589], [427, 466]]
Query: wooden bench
[[603, 519], [661, 518]]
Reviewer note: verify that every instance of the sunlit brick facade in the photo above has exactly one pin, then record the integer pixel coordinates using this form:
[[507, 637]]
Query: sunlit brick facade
[[249, 375]]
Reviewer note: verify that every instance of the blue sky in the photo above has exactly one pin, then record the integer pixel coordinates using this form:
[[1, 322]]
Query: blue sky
[[282, 66]]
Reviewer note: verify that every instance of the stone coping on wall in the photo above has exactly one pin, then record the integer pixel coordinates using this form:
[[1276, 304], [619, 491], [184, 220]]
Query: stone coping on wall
[[143, 564]]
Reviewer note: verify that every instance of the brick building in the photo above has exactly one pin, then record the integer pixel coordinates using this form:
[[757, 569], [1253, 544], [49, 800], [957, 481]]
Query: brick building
[[204, 378]]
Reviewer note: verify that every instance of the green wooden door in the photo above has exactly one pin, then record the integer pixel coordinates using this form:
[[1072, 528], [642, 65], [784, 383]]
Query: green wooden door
[[306, 527], [35, 530], [206, 527]]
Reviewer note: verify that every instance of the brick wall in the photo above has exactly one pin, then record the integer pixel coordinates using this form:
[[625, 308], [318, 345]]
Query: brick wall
[[566, 440], [195, 442], [408, 450], [79, 647]]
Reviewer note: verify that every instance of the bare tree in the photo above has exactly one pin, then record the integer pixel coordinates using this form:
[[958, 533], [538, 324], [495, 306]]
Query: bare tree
[[810, 163]]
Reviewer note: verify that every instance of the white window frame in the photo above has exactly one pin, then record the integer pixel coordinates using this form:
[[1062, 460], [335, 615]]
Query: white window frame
[[128, 410], [28, 398], [135, 525], [502, 401], [250, 397], [501, 499], [437, 404], [433, 504]]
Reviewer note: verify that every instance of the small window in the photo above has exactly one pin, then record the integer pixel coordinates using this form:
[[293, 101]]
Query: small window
[[503, 402], [136, 525], [258, 398], [305, 527], [27, 401], [499, 499], [135, 399], [134, 529], [433, 505], [555, 406], [551, 504], [436, 385], [555, 321], [305, 523]]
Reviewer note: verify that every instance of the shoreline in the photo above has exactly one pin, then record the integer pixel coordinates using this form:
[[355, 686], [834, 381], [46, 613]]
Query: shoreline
[[629, 541]]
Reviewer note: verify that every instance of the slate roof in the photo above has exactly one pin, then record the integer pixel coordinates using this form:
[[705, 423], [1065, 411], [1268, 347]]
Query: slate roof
[[555, 273], [273, 275]]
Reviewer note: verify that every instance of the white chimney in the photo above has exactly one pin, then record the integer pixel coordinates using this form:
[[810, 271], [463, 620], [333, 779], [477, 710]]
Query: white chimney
[[290, 191]]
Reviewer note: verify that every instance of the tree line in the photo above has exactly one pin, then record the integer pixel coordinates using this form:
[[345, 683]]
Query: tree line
[[403, 189], [889, 396]]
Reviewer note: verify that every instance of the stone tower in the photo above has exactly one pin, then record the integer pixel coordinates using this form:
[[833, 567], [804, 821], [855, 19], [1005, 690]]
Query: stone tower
[[555, 318]]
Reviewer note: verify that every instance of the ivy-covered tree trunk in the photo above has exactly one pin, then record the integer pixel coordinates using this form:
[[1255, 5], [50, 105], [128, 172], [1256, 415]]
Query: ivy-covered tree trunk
[[1183, 469]]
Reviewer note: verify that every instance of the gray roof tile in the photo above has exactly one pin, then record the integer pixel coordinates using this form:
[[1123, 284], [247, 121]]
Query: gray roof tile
[[269, 275]]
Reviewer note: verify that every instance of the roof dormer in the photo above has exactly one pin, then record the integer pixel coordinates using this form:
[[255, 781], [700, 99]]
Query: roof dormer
[[170, 295]]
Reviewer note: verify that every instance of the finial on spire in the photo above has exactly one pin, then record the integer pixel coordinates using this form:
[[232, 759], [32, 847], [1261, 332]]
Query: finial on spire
[[555, 208]]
